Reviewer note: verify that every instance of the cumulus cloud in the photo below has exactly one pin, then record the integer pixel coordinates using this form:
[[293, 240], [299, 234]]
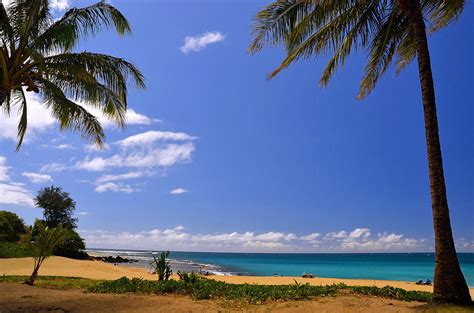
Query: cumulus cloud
[[4, 176], [12, 192], [115, 188], [179, 239], [178, 191], [15, 194], [152, 136], [149, 149], [39, 120], [59, 5], [38, 178], [125, 176], [196, 43], [53, 167], [94, 148]]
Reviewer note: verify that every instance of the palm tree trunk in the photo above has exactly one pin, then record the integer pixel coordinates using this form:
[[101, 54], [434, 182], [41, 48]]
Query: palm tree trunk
[[449, 283], [30, 281]]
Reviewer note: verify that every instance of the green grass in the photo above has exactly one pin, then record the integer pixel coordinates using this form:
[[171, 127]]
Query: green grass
[[13, 250], [56, 282], [211, 289]]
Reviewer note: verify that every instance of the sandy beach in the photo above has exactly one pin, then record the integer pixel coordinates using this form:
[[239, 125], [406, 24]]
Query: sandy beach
[[58, 266]]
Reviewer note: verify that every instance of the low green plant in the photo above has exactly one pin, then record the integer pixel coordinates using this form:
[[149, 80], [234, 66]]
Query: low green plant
[[161, 266], [189, 278], [203, 288], [393, 293], [14, 250]]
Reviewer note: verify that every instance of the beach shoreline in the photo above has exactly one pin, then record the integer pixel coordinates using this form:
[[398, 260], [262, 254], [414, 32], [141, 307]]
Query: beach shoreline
[[59, 266]]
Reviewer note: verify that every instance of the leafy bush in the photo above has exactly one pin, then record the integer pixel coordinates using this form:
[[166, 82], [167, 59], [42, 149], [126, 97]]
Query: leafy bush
[[203, 288], [189, 278], [72, 247], [393, 293], [11, 226], [14, 250], [161, 266]]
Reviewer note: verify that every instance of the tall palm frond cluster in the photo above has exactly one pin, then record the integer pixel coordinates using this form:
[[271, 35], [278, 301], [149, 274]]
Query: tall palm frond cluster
[[37, 55], [384, 28]]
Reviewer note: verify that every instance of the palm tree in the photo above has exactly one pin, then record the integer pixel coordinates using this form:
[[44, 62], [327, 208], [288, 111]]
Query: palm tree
[[43, 246], [385, 29], [37, 56]]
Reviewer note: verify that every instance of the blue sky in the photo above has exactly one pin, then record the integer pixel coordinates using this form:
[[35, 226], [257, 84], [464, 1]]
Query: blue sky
[[217, 158]]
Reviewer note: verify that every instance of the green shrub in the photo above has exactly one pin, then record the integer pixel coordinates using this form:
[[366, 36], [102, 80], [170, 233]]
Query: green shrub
[[14, 250], [203, 288], [11, 226], [393, 293], [161, 266], [189, 278]]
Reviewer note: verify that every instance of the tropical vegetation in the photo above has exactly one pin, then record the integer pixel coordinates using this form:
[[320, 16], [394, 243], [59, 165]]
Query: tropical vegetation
[[43, 245], [161, 266], [390, 31], [37, 56]]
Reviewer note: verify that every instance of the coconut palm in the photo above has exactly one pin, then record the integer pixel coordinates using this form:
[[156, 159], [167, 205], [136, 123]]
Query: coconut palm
[[390, 31], [37, 56], [43, 245]]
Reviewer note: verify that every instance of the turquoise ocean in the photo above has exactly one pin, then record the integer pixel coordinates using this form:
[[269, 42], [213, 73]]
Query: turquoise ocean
[[386, 266]]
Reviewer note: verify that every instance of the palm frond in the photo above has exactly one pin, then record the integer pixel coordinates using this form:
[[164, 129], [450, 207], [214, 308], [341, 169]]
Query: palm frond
[[384, 46], [273, 23], [329, 37], [77, 23], [71, 115], [20, 99], [80, 86], [114, 72]]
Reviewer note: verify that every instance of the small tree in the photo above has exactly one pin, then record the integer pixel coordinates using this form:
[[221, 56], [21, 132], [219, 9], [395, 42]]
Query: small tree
[[11, 226], [43, 246], [58, 207], [161, 266]]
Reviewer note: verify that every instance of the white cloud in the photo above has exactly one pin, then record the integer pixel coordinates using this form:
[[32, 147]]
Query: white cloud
[[4, 176], [53, 167], [360, 232], [63, 146], [39, 120], [94, 148], [114, 188], [59, 4], [179, 239], [83, 213], [197, 43], [311, 237], [125, 176], [150, 137], [132, 118], [38, 178], [148, 157], [15, 194], [178, 191], [12, 192]]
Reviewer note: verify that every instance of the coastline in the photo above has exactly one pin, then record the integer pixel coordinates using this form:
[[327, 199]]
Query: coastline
[[59, 266]]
